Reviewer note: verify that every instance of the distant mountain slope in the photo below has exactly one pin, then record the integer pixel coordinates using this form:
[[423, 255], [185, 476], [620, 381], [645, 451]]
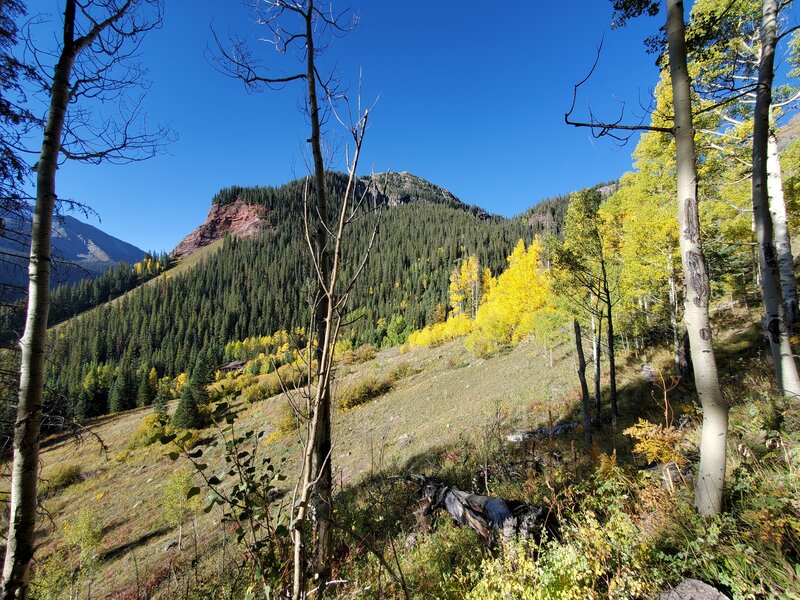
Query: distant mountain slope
[[79, 250], [257, 284], [245, 212], [547, 216]]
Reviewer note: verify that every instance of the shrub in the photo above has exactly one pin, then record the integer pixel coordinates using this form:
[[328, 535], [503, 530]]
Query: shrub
[[401, 371], [285, 422], [51, 578], [84, 535], [363, 391], [442, 563], [150, 428], [358, 355], [60, 478], [657, 443]]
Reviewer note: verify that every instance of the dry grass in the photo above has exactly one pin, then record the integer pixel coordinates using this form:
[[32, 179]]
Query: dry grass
[[430, 406]]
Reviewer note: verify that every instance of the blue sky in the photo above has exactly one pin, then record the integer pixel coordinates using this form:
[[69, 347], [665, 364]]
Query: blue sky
[[472, 98]]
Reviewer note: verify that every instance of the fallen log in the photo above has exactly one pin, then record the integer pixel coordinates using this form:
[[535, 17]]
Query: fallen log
[[542, 432], [486, 515]]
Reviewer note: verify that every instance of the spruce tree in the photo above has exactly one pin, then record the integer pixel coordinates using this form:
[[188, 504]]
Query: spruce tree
[[160, 402], [187, 415], [144, 393]]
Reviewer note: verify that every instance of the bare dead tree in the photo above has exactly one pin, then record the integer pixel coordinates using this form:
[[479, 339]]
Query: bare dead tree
[[303, 28], [93, 64]]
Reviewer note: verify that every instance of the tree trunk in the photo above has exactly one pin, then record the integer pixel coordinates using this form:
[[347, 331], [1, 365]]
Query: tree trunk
[[711, 474], [673, 318], [612, 365], [596, 333], [587, 419], [774, 317], [25, 468], [783, 242], [318, 464]]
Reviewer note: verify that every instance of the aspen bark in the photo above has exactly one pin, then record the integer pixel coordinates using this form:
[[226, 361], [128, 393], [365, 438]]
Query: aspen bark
[[596, 332], [612, 364], [316, 473], [581, 369], [321, 465], [711, 474], [24, 470], [781, 237], [774, 317]]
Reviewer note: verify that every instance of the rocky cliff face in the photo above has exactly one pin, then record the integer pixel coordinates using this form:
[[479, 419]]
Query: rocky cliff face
[[239, 219]]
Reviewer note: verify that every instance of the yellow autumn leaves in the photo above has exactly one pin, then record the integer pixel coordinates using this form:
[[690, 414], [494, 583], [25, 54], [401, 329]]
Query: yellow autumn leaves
[[493, 312]]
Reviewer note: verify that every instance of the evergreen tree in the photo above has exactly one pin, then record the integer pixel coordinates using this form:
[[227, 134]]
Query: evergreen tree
[[122, 395], [187, 415], [144, 393], [160, 402]]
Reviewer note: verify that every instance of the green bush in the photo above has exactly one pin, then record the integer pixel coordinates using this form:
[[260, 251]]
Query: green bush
[[272, 384], [358, 355], [401, 371], [60, 478], [442, 564], [150, 428], [51, 577], [363, 391]]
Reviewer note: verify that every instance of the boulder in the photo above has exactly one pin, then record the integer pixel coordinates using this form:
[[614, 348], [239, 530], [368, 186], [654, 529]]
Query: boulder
[[692, 589]]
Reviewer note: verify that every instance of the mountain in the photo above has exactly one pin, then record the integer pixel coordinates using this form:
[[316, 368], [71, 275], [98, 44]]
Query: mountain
[[257, 278], [79, 250], [236, 211]]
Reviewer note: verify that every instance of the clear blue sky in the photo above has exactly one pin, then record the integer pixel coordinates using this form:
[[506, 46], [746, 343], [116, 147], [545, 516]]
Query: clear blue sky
[[472, 98]]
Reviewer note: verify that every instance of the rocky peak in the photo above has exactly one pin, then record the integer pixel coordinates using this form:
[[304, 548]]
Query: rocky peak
[[396, 189], [236, 218]]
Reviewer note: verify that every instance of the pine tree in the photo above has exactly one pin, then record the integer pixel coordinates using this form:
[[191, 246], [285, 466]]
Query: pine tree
[[160, 402], [144, 393], [187, 415]]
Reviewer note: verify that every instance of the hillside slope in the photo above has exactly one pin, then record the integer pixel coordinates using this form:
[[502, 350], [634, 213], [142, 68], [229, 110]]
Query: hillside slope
[[446, 399]]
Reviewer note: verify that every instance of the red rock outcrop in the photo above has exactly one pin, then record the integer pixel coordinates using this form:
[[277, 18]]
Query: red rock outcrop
[[239, 219]]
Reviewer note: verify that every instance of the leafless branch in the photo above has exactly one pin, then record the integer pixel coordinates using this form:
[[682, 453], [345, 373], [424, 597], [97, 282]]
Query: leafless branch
[[600, 129]]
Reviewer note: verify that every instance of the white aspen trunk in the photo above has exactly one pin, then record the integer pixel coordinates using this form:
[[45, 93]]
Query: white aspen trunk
[[25, 468], [596, 332], [612, 363], [711, 473], [774, 317], [581, 370], [781, 237]]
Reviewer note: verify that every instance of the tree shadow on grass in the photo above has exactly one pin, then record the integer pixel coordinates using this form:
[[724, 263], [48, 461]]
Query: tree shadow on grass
[[140, 541]]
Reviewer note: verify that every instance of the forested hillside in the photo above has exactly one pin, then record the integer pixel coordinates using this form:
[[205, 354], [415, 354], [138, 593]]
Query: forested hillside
[[254, 287]]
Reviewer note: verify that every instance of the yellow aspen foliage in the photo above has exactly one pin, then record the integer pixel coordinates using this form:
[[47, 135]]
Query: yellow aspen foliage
[[488, 282], [465, 287], [438, 333], [507, 315], [178, 383]]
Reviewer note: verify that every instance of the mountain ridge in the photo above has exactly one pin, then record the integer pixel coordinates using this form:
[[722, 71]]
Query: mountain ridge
[[235, 210], [79, 250]]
